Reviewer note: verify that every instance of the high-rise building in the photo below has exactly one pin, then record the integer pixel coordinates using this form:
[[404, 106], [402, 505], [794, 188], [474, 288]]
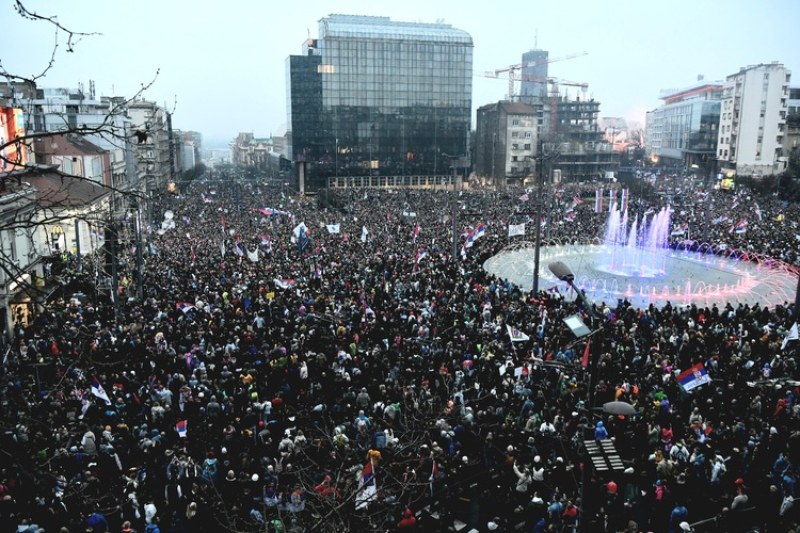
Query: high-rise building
[[683, 130], [533, 86], [753, 120], [379, 103]]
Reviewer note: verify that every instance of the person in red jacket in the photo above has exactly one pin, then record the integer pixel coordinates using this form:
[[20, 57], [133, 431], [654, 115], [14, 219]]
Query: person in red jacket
[[408, 522]]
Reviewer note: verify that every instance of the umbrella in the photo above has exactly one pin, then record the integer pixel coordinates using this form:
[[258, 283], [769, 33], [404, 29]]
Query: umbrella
[[619, 408]]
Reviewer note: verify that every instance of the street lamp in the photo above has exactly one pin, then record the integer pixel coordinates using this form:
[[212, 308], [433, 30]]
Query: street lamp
[[564, 273]]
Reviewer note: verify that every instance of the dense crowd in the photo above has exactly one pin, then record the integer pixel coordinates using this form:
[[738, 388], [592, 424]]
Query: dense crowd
[[324, 364]]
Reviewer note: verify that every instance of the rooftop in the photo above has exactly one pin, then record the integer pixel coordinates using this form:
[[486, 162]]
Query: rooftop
[[358, 26]]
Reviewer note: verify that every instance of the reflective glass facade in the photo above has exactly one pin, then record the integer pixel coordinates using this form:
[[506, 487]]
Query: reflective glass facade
[[382, 98]]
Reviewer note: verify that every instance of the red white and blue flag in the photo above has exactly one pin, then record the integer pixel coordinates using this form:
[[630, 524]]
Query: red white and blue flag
[[369, 489], [740, 227], [284, 283], [184, 306], [180, 427], [680, 230], [569, 216], [269, 211], [694, 377], [99, 391]]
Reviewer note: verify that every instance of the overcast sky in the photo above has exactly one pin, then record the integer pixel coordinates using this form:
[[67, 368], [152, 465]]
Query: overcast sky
[[224, 61]]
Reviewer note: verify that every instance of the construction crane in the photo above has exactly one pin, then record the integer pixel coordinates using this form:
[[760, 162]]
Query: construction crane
[[555, 82], [513, 70]]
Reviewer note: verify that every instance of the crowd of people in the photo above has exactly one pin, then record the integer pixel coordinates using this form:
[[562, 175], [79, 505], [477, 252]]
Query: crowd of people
[[287, 363]]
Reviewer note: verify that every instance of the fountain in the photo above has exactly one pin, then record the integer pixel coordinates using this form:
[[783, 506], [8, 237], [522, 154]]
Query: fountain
[[633, 260]]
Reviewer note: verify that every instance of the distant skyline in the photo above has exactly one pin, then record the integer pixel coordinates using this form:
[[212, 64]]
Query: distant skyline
[[224, 64]]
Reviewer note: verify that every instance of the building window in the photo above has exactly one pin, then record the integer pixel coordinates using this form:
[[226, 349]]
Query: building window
[[514, 134], [528, 135], [527, 146], [515, 122]]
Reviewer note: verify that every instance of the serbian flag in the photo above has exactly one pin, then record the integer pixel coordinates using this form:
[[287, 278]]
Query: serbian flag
[[284, 283], [238, 248], [222, 221], [576, 200], [369, 491], [180, 427], [416, 233], [693, 377], [570, 216], [99, 391], [421, 254], [184, 306], [524, 198], [740, 227]]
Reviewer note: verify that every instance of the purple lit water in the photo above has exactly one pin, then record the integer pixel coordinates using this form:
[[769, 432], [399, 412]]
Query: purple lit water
[[634, 249]]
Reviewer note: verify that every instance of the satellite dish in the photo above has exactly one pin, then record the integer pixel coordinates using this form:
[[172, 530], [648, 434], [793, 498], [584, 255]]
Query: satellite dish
[[169, 215]]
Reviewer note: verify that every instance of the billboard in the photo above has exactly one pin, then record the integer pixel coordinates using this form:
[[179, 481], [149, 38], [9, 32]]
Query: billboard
[[12, 126]]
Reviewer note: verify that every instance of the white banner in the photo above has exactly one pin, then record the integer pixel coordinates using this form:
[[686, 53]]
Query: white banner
[[516, 229]]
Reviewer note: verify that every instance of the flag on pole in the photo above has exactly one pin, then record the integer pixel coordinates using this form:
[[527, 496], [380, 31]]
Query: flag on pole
[[758, 212], [516, 229], [269, 211], [472, 235], [421, 254], [693, 377], [739, 227], [302, 240], [569, 216], [791, 336], [180, 427], [516, 335], [284, 283], [679, 230], [238, 248], [369, 487], [416, 233], [585, 359], [99, 391], [576, 200], [224, 226], [184, 307]]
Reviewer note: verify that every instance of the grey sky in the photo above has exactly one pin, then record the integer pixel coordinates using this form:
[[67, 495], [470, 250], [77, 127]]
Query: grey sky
[[224, 61]]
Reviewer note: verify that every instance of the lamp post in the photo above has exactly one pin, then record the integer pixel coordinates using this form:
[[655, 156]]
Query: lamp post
[[564, 273]]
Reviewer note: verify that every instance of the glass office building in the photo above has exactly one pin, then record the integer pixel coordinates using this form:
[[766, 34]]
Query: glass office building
[[684, 129], [374, 97]]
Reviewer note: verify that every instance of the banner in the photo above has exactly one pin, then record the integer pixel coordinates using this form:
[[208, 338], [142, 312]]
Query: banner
[[516, 229]]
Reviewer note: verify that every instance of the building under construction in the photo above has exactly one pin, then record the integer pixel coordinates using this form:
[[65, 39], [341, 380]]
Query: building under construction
[[566, 126]]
